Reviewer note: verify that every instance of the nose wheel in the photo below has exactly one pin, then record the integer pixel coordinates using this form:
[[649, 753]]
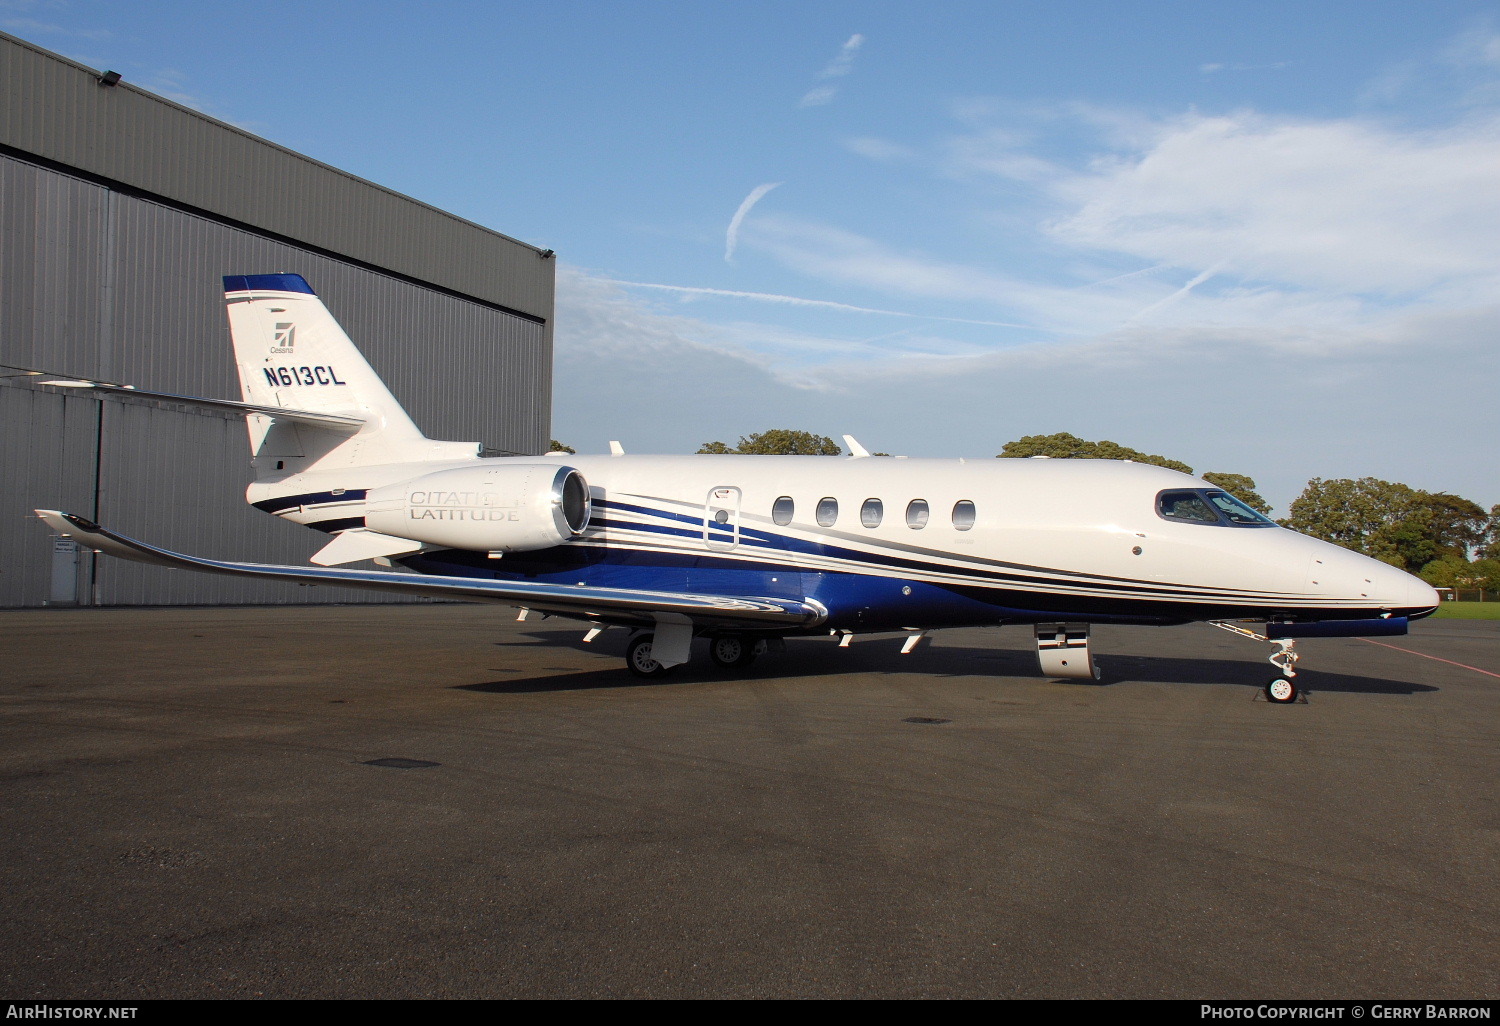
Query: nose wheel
[[1282, 689]]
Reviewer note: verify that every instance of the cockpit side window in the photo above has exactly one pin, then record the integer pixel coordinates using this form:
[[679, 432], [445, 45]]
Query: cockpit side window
[[1208, 506]]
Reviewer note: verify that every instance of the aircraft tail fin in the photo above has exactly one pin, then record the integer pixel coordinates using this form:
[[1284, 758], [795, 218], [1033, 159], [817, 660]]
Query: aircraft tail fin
[[292, 355]]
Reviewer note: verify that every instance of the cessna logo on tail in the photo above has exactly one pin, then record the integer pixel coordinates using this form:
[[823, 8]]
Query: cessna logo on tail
[[284, 339]]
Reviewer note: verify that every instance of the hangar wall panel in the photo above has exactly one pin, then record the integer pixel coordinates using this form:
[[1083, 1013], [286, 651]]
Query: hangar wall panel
[[100, 284], [48, 464]]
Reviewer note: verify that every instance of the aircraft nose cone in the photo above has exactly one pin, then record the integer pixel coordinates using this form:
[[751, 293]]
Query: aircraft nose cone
[[1401, 590], [1346, 573], [1394, 588]]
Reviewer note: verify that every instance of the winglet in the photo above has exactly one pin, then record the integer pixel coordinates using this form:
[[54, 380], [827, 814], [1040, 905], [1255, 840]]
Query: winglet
[[856, 451]]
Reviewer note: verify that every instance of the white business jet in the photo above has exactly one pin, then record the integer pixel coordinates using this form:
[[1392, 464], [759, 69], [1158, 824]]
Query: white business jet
[[747, 550]]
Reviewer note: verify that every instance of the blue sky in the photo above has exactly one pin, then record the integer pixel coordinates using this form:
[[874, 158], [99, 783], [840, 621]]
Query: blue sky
[[1258, 237]]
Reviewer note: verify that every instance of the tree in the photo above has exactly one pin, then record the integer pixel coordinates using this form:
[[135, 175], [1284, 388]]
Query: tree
[[1446, 572], [1388, 520], [1452, 572], [1491, 549], [556, 446], [1487, 574], [779, 442], [1455, 524], [1358, 515], [1242, 488], [1063, 446]]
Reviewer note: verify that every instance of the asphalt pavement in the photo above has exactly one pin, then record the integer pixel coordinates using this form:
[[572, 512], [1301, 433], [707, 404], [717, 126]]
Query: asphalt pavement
[[438, 801]]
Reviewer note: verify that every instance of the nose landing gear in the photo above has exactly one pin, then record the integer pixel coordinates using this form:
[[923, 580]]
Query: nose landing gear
[[1282, 689]]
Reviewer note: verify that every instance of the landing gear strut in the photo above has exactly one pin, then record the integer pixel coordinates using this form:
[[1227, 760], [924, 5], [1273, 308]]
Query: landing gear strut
[[1282, 688]]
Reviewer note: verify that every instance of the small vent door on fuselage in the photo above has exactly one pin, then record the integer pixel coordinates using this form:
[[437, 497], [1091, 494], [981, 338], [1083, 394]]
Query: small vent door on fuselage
[[721, 518]]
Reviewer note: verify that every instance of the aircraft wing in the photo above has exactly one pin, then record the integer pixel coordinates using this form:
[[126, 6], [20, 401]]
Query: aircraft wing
[[604, 605]]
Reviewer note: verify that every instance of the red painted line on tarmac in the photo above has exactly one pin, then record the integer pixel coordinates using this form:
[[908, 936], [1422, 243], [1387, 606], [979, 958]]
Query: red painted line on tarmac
[[1424, 655]]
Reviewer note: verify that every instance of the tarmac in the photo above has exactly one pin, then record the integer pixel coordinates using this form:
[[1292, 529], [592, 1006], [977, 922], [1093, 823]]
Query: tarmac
[[438, 801]]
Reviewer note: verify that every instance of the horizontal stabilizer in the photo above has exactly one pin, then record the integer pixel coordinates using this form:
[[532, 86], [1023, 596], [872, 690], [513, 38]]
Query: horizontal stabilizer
[[608, 605], [354, 545], [332, 420]]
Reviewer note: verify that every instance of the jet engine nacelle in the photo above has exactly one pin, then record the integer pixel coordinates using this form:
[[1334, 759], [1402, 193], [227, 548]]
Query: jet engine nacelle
[[502, 508]]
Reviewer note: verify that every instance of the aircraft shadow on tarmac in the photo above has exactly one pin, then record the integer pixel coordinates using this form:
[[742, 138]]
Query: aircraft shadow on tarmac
[[815, 657]]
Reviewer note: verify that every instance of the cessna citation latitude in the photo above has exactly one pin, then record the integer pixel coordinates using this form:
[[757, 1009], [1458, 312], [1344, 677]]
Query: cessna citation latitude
[[747, 550]]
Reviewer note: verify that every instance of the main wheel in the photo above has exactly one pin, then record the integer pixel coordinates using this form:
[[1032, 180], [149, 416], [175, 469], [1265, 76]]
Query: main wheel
[[638, 658], [734, 653], [1281, 690]]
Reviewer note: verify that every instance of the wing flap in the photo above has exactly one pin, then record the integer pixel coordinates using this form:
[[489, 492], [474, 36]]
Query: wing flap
[[584, 602]]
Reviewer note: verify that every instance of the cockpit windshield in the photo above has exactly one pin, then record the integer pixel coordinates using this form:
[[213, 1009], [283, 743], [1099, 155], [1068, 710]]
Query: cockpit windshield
[[1236, 511], [1208, 506]]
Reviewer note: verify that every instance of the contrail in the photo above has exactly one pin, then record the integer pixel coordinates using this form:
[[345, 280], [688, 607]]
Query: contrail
[[1123, 277], [836, 68], [771, 297], [732, 236], [1174, 297]]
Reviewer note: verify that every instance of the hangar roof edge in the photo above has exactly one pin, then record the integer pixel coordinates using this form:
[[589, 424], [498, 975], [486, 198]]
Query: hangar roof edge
[[56, 108]]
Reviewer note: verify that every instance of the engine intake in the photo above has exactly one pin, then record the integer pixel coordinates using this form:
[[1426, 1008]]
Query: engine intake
[[504, 508]]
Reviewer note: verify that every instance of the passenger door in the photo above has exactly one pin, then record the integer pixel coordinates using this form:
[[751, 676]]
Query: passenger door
[[721, 518]]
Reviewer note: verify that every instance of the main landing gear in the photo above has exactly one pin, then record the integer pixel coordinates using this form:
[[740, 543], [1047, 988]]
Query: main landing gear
[[732, 653], [638, 658], [1282, 688], [728, 652]]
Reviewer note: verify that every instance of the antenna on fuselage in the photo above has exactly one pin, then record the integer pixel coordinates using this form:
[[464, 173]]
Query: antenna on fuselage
[[856, 451]]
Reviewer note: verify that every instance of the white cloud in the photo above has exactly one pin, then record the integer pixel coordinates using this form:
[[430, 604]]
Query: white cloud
[[835, 69], [883, 150], [1343, 205], [1244, 400], [1209, 69], [834, 254], [1279, 296], [29, 26]]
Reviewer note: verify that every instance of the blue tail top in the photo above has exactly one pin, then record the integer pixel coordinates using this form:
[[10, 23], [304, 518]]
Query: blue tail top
[[269, 282]]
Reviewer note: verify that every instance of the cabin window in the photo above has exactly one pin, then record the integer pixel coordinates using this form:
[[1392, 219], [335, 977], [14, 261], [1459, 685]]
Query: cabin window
[[871, 512], [782, 510], [963, 515], [828, 511], [1186, 506], [917, 514]]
